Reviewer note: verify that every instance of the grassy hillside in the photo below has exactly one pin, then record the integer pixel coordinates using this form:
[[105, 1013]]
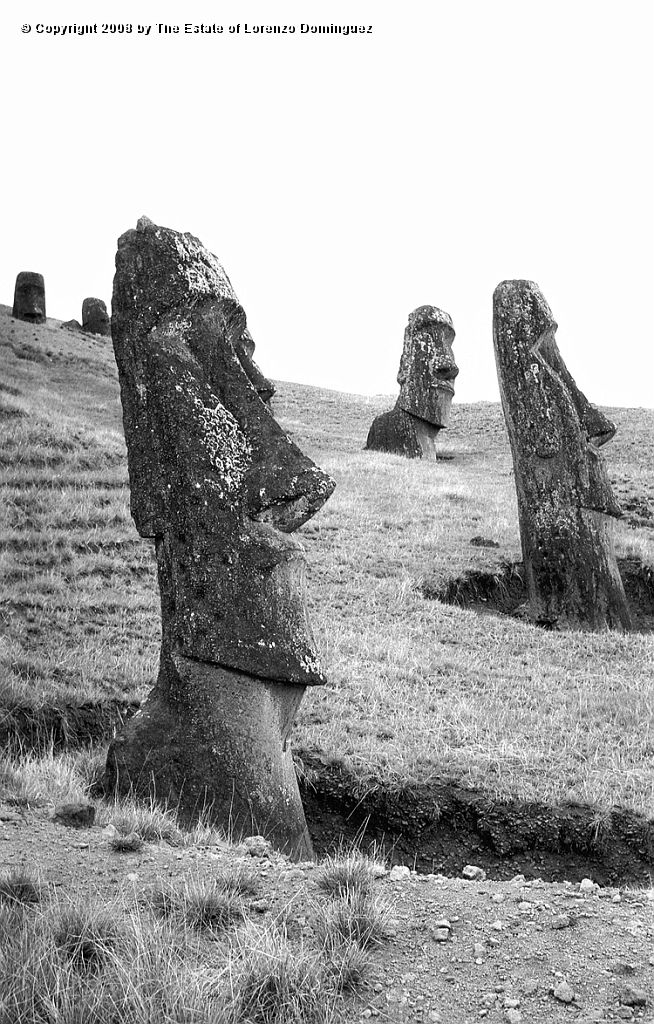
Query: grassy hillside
[[418, 690]]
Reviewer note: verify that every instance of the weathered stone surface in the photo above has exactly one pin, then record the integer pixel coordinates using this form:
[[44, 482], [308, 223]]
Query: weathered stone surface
[[72, 325], [29, 297], [220, 488], [564, 495], [427, 369], [95, 319]]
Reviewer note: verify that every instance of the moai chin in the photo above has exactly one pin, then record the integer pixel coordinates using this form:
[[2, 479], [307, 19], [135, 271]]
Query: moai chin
[[220, 487], [95, 319], [427, 370], [564, 495], [29, 297]]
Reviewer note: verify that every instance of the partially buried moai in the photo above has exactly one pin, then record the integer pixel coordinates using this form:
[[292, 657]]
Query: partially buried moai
[[220, 487], [564, 495], [427, 370], [95, 319], [29, 297]]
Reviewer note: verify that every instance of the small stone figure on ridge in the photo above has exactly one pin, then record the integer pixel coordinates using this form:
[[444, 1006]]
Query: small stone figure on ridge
[[29, 297], [95, 319]]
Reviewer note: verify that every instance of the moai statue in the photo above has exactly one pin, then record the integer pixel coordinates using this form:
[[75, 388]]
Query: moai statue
[[220, 487], [29, 297], [95, 319], [564, 495], [427, 369]]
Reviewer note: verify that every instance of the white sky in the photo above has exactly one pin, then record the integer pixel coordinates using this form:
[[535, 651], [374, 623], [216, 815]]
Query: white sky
[[343, 181]]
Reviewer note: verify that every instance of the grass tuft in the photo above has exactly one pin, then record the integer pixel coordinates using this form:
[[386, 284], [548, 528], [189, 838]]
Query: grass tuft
[[86, 935], [19, 887], [347, 875], [130, 843], [360, 919], [200, 904], [151, 822], [274, 982]]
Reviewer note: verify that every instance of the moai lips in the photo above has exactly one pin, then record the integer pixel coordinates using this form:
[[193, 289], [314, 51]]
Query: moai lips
[[219, 486], [564, 495], [426, 375]]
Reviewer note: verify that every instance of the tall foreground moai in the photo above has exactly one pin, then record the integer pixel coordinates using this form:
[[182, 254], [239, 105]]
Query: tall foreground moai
[[29, 297], [220, 487], [564, 494], [427, 370]]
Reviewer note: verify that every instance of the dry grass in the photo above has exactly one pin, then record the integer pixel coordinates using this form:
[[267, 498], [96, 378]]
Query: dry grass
[[67, 961], [417, 690]]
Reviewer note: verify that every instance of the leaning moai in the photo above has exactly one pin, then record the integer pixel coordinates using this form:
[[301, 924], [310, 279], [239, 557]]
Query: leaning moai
[[29, 297], [564, 495], [427, 369], [95, 319], [221, 488]]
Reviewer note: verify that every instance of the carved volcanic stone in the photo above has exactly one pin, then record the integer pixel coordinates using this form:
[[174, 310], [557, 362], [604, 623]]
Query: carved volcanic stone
[[29, 297], [220, 487], [427, 369], [95, 319], [564, 495]]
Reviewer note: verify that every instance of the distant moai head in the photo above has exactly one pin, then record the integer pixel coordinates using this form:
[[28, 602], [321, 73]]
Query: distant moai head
[[95, 319], [213, 477], [427, 366], [29, 297], [547, 415]]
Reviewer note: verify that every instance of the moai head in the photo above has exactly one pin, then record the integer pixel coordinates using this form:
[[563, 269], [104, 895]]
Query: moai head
[[29, 297], [95, 319], [548, 417], [213, 477], [427, 366]]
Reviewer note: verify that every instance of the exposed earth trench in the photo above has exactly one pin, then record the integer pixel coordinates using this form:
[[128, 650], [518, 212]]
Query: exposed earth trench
[[435, 828]]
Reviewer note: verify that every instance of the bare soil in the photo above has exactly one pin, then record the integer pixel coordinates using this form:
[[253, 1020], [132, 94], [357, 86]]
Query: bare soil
[[454, 950]]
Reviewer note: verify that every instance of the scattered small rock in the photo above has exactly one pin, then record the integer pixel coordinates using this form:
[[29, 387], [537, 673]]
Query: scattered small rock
[[632, 996], [76, 815], [563, 992], [473, 873], [588, 885], [109, 831], [484, 542], [563, 921], [513, 1016], [400, 873], [257, 846]]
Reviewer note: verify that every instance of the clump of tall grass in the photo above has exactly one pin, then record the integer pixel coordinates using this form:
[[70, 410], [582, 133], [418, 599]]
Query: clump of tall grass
[[18, 887], [151, 822], [199, 903], [360, 918], [272, 981], [347, 874]]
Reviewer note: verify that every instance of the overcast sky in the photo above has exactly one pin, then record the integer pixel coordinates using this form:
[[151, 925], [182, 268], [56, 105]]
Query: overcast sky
[[343, 180]]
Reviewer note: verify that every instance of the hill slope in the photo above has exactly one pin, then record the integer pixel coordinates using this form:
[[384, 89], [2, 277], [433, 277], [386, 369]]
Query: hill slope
[[430, 708]]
